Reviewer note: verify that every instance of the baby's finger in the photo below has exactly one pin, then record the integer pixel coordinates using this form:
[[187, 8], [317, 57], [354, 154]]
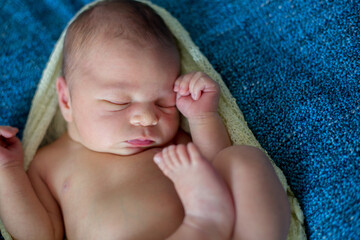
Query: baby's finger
[[8, 132], [184, 85], [194, 79], [177, 84], [199, 87]]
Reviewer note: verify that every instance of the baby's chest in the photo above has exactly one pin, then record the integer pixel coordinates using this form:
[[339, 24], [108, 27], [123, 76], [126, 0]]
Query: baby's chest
[[141, 205]]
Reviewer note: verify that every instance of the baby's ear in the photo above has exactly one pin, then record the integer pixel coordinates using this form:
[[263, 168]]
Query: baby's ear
[[64, 98]]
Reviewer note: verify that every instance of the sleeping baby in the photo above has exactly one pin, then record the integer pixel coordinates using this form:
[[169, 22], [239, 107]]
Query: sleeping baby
[[124, 169]]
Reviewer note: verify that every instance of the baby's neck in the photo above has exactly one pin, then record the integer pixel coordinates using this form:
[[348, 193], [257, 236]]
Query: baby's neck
[[72, 133]]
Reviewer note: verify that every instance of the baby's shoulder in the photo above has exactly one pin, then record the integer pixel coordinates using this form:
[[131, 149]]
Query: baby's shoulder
[[48, 157]]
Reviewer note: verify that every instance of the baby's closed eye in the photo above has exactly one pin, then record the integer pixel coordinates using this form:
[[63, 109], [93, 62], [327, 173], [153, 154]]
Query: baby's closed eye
[[114, 106], [166, 103]]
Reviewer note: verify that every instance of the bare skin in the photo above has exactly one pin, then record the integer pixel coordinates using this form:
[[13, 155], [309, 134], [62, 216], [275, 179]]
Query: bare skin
[[126, 198], [161, 214], [99, 180], [207, 202]]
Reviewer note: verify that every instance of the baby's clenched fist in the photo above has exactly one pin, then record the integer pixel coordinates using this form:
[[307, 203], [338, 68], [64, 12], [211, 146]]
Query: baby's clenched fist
[[11, 153], [197, 94]]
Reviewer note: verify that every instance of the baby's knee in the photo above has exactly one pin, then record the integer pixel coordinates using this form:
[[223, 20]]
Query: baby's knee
[[242, 157]]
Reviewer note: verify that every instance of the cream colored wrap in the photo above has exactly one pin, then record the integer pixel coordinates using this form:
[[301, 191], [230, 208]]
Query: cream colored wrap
[[45, 122]]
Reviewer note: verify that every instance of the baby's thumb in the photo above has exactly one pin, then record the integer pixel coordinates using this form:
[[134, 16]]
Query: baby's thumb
[[8, 132]]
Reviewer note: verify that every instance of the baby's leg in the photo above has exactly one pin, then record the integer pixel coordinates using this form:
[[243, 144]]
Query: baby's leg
[[261, 205], [209, 212]]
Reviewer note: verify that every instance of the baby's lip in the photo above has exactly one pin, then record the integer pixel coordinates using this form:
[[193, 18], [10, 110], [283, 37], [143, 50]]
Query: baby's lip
[[140, 142]]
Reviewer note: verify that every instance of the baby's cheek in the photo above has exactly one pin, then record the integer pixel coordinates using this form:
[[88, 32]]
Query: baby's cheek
[[105, 132], [171, 125]]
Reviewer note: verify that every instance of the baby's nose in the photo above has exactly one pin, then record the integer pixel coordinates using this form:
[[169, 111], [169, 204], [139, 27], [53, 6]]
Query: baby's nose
[[144, 117]]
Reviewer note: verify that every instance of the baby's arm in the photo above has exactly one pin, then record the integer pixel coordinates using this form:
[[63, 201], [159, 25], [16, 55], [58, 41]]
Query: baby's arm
[[197, 100], [21, 211]]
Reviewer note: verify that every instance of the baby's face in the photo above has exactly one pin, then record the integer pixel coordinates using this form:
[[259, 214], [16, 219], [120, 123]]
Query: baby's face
[[122, 98]]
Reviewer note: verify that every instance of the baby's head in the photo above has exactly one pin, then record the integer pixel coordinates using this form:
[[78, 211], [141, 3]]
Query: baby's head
[[113, 20], [120, 62]]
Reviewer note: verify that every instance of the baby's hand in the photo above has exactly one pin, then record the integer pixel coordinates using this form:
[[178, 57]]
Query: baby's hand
[[197, 94], [11, 153]]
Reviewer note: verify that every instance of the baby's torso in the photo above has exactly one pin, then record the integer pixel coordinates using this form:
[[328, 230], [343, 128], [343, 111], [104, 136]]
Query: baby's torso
[[105, 196]]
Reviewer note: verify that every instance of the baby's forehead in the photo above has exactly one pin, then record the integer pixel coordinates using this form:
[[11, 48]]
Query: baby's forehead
[[101, 46], [126, 59]]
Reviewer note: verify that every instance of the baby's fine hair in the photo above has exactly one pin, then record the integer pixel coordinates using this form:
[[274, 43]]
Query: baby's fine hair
[[111, 19]]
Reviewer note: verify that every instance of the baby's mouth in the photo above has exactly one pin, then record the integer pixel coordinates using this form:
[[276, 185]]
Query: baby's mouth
[[140, 142]]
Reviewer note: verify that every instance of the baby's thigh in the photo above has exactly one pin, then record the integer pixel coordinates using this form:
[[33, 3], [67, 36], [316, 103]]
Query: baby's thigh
[[258, 195], [241, 158], [246, 168]]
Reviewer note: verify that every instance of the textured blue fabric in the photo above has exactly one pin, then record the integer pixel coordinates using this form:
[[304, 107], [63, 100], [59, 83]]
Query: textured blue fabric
[[293, 66]]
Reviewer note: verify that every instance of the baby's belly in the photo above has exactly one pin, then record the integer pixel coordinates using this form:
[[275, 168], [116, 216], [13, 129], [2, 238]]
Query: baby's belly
[[141, 208]]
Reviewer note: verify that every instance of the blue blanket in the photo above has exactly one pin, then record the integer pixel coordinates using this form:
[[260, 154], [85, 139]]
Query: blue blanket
[[293, 66]]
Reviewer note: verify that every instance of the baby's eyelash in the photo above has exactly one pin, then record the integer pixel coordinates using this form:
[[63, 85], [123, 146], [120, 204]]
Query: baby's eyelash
[[117, 103], [113, 106]]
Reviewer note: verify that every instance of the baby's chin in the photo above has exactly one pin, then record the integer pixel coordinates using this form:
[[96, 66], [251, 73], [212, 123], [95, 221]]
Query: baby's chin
[[126, 151], [129, 151]]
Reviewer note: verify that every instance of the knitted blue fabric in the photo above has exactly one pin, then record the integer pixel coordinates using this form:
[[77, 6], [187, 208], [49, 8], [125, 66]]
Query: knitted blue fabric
[[293, 66]]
